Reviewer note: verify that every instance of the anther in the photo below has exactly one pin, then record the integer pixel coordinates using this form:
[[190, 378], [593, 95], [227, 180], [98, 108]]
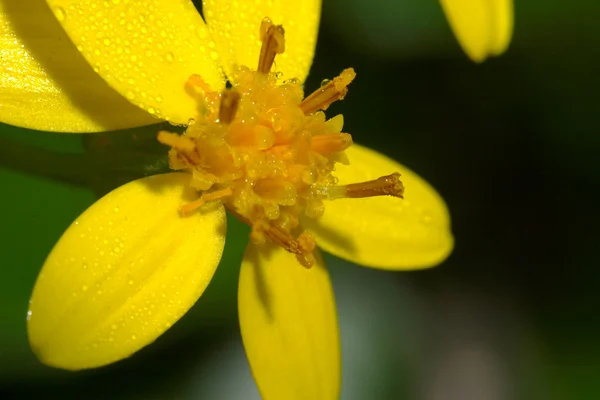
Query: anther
[[230, 100], [273, 43], [334, 90], [188, 208], [389, 185]]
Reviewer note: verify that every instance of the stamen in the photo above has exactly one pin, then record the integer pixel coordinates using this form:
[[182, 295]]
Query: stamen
[[302, 247], [334, 90], [187, 209], [230, 100], [327, 144], [197, 81], [185, 147], [273, 43], [389, 185]]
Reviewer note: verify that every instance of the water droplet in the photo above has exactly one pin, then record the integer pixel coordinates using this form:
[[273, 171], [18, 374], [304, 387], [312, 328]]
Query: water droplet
[[29, 315], [202, 33], [324, 82], [151, 110], [170, 57], [84, 288], [60, 13], [426, 218], [214, 55], [116, 209], [106, 42], [116, 1], [131, 281], [133, 337], [191, 121]]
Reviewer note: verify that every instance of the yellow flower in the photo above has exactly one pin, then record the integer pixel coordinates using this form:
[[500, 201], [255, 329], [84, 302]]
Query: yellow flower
[[131, 265], [483, 27]]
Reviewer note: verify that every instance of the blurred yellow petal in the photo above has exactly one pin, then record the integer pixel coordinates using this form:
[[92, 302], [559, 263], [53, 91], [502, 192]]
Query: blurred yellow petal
[[289, 326], [46, 84], [483, 27], [385, 232], [235, 28], [146, 50], [125, 271]]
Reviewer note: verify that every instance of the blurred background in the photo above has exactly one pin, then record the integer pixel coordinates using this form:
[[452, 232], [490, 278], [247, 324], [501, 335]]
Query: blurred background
[[512, 146]]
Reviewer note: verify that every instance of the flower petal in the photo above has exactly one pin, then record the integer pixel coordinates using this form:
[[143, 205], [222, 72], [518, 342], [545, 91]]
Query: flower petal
[[125, 271], [483, 27], [235, 26], [384, 232], [289, 325], [45, 84], [146, 50]]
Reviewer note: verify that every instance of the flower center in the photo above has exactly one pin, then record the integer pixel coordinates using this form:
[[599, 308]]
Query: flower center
[[267, 152]]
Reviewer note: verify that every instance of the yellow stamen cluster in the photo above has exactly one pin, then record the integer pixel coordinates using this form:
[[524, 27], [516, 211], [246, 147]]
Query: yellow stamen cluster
[[267, 153]]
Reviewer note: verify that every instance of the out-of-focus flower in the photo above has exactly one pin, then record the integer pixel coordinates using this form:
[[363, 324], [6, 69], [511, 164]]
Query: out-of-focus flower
[[483, 27]]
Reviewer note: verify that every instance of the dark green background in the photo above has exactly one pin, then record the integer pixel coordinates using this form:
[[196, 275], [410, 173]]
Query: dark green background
[[511, 144]]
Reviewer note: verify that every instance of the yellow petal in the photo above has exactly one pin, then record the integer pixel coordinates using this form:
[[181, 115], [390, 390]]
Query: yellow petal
[[483, 27], [289, 326], [384, 232], [46, 84], [125, 271], [235, 27], [146, 50]]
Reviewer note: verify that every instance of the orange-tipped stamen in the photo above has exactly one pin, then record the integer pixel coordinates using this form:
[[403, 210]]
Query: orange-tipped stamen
[[197, 81], [331, 143], [230, 100], [273, 43], [188, 208], [333, 91], [185, 147]]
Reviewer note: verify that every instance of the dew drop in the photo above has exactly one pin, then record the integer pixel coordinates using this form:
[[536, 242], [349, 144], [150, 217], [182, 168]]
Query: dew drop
[[170, 57], [214, 55], [60, 13], [426, 218], [324, 82], [202, 33], [84, 288], [131, 282]]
